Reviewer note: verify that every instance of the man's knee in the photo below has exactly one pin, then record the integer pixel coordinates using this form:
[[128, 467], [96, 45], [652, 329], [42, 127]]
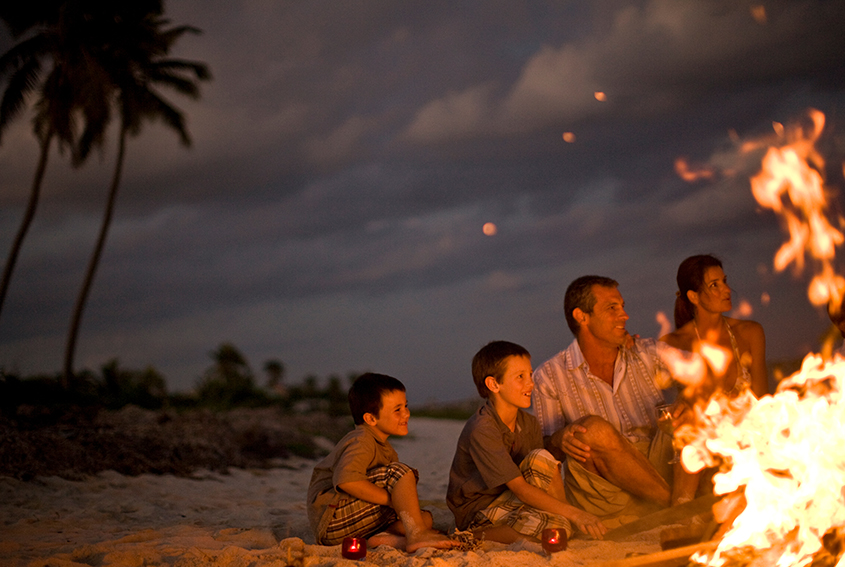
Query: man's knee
[[600, 434]]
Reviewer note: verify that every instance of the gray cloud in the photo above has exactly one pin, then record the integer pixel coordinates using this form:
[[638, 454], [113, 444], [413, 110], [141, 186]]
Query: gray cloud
[[344, 161]]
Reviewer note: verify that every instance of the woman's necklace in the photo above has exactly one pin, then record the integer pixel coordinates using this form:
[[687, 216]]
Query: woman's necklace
[[695, 325]]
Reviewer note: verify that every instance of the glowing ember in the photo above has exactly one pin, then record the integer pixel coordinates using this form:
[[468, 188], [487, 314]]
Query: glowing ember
[[489, 229], [758, 12], [689, 173], [600, 96], [743, 310], [568, 137]]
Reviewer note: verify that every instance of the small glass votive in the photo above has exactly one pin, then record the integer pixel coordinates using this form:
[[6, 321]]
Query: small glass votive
[[553, 539], [354, 548]]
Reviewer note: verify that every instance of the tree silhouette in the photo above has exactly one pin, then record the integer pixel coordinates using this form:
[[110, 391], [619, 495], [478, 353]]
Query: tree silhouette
[[53, 63], [229, 381], [275, 370], [133, 53]]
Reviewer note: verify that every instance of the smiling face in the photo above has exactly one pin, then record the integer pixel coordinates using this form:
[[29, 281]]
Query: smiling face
[[392, 418], [715, 294], [606, 322], [516, 385]]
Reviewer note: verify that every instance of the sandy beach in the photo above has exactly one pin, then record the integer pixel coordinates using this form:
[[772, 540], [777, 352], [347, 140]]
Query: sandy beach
[[243, 518]]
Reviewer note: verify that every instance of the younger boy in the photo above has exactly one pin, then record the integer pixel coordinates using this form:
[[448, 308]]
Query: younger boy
[[503, 484], [360, 488]]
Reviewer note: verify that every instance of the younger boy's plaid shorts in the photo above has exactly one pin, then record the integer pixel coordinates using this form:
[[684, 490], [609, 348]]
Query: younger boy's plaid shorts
[[358, 518]]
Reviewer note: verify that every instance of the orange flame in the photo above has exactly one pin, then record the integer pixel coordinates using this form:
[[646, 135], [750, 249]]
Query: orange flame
[[790, 184], [778, 455]]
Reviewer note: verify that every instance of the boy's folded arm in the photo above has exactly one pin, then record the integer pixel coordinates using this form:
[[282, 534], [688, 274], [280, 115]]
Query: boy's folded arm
[[366, 490]]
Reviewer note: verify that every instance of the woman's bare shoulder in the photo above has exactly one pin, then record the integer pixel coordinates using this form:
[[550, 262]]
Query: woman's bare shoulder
[[748, 330], [681, 338], [745, 325]]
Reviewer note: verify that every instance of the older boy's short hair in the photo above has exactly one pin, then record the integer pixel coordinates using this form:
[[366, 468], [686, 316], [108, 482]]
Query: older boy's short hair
[[490, 361], [366, 393], [579, 295]]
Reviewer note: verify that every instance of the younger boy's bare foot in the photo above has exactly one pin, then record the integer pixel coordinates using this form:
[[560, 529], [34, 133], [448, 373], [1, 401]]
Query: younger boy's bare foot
[[429, 538], [386, 538]]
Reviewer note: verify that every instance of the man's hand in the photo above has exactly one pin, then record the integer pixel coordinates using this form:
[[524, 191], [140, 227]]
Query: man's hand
[[571, 446], [681, 414], [589, 524]]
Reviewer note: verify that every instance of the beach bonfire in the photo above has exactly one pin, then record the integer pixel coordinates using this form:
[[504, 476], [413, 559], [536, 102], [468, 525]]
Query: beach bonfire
[[780, 458]]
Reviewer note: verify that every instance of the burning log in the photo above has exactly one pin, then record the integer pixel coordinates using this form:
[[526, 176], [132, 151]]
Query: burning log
[[665, 517], [671, 558]]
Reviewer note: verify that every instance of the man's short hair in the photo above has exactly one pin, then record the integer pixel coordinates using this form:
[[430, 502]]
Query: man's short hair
[[579, 295], [490, 361], [366, 393]]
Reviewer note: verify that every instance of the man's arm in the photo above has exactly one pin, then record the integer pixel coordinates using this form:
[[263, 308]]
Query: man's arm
[[558, 436], [536, 498]]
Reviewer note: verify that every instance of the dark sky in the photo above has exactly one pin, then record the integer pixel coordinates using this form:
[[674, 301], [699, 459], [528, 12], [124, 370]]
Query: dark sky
[[347, 155]]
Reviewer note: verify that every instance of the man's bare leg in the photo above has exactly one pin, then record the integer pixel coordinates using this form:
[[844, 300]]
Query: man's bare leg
[[416, 525], [614, 458], [684, 484]]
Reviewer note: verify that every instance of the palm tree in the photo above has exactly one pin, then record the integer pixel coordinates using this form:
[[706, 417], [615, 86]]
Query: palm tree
[[69, 90], [134, 55]]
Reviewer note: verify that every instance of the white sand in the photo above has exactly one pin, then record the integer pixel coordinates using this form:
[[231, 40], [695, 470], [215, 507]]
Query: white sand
[[247, 518]]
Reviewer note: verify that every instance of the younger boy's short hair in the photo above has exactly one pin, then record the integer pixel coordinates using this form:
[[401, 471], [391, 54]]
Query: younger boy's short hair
[[490, 361], [366, 393]]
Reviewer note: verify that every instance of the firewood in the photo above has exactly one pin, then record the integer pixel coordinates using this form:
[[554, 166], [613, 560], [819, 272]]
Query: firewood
[[670, 558], [665, 517]]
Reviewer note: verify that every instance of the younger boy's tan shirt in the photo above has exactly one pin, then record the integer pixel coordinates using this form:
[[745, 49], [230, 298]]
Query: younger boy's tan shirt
[[359, 451]]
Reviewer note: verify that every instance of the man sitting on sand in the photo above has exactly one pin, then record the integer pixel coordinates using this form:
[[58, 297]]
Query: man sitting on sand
[[596, 404], [360, 489], [503, 484]]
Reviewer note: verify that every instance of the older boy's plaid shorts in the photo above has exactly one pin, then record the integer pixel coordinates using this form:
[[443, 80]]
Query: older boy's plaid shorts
[[358, 518], [537, 469]]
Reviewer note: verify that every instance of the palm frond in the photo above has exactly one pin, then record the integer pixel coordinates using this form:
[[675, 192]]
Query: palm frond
[[22, 82]]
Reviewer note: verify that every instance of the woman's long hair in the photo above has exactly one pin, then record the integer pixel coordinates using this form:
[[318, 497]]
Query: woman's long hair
[[691, 278]]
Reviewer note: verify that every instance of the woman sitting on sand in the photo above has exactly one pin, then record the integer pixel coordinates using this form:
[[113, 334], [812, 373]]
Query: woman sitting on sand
[[702, 299]]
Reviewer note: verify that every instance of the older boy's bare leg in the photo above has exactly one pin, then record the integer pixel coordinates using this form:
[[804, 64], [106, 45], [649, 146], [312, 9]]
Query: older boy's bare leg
[[417, 526], [557, 489], [614, 458]]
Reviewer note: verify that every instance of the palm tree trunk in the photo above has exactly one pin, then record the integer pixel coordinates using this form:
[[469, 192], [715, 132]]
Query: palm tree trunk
[[82, 298], [34, 194]]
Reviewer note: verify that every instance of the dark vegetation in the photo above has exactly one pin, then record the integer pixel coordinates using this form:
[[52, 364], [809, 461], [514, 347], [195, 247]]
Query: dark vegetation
[[125, 420]]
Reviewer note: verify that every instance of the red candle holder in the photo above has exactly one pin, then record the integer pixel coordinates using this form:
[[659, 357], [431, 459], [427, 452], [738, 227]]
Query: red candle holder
[[553, 539], [354, 548]]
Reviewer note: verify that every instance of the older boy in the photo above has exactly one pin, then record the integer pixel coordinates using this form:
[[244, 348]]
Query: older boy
[[360, 488], [502, 483]]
